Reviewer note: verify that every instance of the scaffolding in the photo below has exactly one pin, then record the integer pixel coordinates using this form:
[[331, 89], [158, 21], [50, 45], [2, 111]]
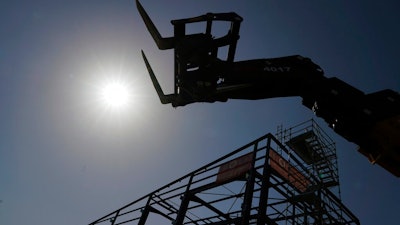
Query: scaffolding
[[316, 149], [286, 180]]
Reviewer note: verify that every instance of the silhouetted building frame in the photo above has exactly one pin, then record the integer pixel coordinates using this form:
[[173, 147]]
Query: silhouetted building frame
[[262, 182]]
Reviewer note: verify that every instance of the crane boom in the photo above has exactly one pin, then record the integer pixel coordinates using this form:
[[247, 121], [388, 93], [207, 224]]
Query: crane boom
[[372, 121]]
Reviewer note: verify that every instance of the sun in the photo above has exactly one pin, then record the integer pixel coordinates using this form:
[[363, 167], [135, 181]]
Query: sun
[[115, 95]]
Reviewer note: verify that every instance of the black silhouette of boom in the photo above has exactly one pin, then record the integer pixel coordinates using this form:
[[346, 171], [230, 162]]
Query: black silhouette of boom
[[371, 121]]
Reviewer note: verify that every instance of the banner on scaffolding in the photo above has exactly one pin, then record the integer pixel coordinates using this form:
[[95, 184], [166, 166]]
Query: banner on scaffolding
[[288, 172], [235, 168]]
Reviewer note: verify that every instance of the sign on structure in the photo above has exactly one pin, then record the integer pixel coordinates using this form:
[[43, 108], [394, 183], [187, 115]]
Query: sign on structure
[[235, 168], [288, 172]]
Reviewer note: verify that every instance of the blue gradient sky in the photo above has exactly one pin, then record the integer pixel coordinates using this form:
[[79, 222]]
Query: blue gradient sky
[[66, 160]]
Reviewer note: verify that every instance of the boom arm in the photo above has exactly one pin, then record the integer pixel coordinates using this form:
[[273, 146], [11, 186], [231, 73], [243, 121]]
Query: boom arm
[[372, 121]]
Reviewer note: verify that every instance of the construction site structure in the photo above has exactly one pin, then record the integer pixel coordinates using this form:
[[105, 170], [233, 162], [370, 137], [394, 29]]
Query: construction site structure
[[289, 179], [316, 149]]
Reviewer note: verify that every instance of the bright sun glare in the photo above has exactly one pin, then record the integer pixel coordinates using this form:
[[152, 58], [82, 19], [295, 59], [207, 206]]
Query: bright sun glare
[[115, 95]]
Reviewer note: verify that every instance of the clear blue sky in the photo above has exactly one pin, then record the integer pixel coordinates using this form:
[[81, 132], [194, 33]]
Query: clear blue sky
[[65, 159]]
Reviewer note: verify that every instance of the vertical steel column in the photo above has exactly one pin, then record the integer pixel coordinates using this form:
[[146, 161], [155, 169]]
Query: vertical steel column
[[115, 218], [262, 204], [184, 204], [248, 195], [146, 211], [145, 214]]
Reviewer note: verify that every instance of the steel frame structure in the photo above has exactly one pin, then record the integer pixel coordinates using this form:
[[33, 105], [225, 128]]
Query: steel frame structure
[[262, 182]]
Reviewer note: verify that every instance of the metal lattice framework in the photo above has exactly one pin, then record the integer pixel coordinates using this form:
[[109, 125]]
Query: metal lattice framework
[[263, 182], [316, 149]]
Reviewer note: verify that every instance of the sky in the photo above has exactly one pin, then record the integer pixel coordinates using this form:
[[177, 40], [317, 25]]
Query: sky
[[67, 158]]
